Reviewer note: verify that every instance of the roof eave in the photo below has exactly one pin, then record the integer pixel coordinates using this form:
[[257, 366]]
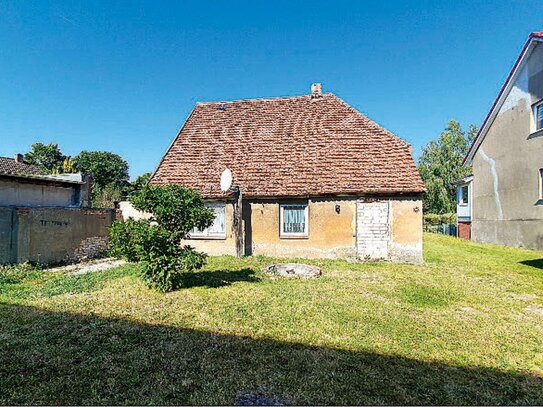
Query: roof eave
[[502, 95], [42, 178]]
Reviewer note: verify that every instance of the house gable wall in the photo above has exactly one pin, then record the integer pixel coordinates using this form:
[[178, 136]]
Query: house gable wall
[[505, 189]]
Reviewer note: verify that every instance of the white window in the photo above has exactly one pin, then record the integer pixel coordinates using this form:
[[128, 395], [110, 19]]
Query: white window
[[294, 220], [464, 195], [538, 116], [217, 228], [541, 184]]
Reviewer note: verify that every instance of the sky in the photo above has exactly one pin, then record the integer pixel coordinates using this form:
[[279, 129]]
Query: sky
[[123, 76]]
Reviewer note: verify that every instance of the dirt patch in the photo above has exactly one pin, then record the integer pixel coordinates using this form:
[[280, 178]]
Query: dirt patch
[[89, 266]]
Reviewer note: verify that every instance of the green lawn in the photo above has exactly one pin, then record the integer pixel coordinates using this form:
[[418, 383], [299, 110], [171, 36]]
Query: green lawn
[[465, 328]]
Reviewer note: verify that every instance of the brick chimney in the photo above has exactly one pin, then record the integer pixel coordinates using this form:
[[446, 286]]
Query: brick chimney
[[19, 158], [316, 90]]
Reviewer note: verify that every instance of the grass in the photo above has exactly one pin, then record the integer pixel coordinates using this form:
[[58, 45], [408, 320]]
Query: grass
[[464, 328]]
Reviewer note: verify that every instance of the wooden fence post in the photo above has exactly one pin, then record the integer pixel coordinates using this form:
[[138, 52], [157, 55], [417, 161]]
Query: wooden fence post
[[238, 223]]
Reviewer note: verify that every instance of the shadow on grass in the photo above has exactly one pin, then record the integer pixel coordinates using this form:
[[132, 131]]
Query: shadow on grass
[[536, 263], [218, 278], [60, 358]]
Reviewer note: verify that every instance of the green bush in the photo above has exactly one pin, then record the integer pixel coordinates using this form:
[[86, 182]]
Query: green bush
[[165, 271], [434, 219], [449, 218], [156, 242]]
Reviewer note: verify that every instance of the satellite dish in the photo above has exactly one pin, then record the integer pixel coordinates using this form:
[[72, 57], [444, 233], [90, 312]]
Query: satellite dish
[[226, 180]]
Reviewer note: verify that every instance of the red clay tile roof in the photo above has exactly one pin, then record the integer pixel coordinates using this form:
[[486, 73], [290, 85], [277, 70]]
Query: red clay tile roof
[[8, 166], [294, 146]]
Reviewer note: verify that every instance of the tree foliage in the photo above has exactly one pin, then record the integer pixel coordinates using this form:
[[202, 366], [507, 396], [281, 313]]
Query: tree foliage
[[441, 163], [137, 185], [105, 167], [156, 242], [46, 156]]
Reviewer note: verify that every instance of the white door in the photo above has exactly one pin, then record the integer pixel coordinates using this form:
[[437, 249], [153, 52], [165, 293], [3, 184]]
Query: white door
[[372, 229]]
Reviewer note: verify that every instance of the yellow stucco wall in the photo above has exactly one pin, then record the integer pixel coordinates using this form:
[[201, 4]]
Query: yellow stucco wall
[[330, 234], [406, 230], [218, 247]]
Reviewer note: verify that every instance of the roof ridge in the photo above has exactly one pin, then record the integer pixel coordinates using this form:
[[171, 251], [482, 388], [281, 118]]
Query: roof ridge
[[267, 99]]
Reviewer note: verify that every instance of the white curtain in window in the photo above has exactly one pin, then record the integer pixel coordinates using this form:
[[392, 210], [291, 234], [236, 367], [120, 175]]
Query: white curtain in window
[[218, 226], [294, 219]]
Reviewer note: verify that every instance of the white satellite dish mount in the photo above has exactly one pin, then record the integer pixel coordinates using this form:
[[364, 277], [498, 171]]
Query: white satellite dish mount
[[226, 180]]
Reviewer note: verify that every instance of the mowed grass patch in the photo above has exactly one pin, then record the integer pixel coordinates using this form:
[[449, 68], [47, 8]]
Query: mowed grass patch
[[464, 328]]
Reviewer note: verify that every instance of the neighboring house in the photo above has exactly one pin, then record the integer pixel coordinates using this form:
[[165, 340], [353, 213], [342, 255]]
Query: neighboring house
[[463, 206], [507, 158], [23, 184], [47, 218], [318, 179]]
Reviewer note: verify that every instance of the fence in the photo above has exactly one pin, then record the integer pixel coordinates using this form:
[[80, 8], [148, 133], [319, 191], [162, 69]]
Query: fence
[[52, 235], [442, 229]]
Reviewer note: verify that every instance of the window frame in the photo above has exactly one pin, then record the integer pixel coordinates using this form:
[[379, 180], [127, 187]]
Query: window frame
[[540, 187], [293, 235], [205, 234], [535, 108], [461, 201]]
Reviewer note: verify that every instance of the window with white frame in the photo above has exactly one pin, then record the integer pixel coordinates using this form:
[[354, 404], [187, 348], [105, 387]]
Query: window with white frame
[[538, 116], [217, 228], [294, 220], [541, 184], [464, 195]]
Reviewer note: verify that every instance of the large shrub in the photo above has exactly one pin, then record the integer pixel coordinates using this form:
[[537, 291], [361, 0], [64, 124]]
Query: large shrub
[[156, 242]]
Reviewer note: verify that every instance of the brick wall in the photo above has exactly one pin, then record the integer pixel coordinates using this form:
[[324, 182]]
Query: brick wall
[[373, 230], [464, 230]]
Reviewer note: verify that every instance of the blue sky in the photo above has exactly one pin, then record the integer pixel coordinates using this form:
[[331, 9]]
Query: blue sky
[[123, 76]]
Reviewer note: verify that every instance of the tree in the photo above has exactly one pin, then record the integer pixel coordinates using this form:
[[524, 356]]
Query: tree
[[138, 184], [107, 169], [156, 242], [441, 163], [107, 196], [46, 156]]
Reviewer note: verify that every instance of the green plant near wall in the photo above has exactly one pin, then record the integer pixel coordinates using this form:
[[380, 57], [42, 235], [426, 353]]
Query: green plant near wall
[[156, 242]]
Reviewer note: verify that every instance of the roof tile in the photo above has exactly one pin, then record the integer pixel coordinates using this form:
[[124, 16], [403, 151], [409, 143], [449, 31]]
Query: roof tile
[[295, 146]]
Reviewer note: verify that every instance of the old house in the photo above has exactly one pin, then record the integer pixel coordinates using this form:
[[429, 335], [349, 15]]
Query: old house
[[23, 184], [506, 190], [317, 179]]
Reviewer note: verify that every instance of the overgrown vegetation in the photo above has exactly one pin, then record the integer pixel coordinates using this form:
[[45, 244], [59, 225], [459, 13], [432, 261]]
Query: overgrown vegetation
[[462, 329], [156, 242]]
